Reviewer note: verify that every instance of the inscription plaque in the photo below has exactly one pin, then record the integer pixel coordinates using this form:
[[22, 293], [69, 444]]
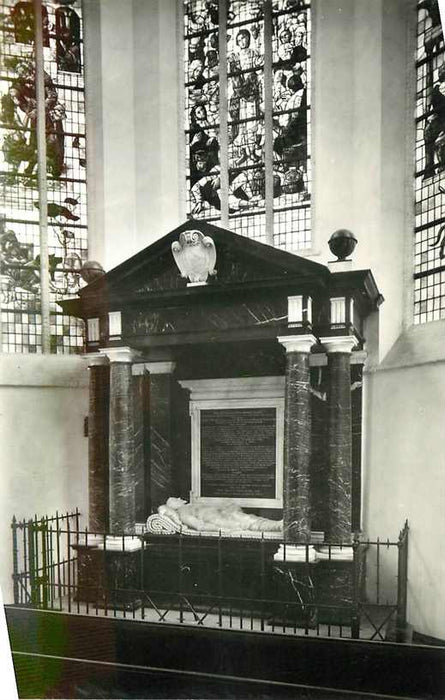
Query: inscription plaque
[[238, 453]]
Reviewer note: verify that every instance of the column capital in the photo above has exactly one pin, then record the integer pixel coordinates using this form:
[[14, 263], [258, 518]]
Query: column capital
[[154, 367], [95, 359], [339, 343], [124, 355], [297, 343]]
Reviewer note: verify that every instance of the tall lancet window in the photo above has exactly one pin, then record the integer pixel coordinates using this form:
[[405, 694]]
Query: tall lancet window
[[247, 107], [31, 320], [429, 240]]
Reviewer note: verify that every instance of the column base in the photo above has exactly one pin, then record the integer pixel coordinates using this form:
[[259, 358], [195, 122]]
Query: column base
[[335, 553], [296, 553]]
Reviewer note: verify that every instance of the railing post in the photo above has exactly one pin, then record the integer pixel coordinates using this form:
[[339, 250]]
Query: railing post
[[181, 611], [15, 562], [356, 573], [43, 579], [402, 584]]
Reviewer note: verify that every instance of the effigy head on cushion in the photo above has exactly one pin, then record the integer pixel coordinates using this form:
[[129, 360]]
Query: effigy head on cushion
[[175, 502]]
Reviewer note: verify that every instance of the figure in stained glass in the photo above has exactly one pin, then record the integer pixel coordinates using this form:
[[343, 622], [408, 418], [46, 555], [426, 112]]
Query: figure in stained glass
[[290, 144], [203, 147], [290, 52], [23, 94], [434, 132], [433, 34], [68, 40], [23, 18], [246, 97], [206, 191], [246, 190]]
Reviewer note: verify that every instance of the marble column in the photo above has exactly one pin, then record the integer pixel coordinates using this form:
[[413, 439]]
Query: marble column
[[121, 441], [98, 421], [339, 438], [297, 438]]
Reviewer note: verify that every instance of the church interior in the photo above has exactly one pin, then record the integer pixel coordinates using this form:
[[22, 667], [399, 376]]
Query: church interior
[[222, 369]]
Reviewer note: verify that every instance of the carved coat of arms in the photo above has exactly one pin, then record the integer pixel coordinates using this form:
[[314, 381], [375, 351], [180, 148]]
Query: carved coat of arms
[[195, 256]]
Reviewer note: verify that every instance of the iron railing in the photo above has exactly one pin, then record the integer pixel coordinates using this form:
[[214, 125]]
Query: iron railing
[[358, 589]]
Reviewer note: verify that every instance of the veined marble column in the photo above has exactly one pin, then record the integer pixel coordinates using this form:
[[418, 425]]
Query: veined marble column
[[121, 441], [297, 437], [98, 421], [339, 437]]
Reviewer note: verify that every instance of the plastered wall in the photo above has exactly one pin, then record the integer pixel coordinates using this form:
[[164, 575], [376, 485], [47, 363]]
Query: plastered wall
[[133, 131], [44, 455], [404, 478]]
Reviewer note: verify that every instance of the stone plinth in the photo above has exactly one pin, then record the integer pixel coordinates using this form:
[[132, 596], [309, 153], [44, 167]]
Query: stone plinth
[[109, 576]]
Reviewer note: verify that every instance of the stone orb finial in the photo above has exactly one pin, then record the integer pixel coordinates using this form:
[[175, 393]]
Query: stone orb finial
[[91, 270], [342, 243]]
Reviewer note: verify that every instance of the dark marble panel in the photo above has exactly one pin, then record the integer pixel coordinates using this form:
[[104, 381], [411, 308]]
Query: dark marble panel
[[98, 426], [138, 422], [204, 317], [334, 584], [249, 359], [340, 448], [297, 447], [146, 442], [104, 576], [181, 441], [161, 470], [122, 485]]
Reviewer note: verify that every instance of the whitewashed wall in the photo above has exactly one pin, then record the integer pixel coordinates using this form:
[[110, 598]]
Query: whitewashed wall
[[133, 105], [44, 455]]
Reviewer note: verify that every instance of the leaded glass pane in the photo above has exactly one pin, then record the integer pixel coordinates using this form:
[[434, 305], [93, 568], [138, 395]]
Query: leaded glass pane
[[66, 173], [245, 73], [201, 61], [291, 146], [429, 237]]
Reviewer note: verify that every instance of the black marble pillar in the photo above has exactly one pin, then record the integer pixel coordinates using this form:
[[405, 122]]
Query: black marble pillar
[[339, 447], [98, 419], [121, 446], [297, 439]]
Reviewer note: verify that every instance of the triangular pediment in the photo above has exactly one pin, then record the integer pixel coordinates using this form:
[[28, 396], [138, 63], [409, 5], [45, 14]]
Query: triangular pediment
[[239, 261]]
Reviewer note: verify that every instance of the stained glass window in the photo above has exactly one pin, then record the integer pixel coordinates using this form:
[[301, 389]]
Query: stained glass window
[[247, 97], [429, 236], [20, 299]]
